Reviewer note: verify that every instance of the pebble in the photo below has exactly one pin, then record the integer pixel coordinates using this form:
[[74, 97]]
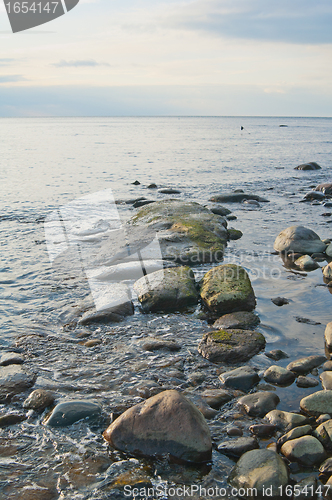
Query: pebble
[[69, 412], [11, 358], [243, 378], [284, 420], [276, 354], [39, 400], [279, 376], [259, 403], [305, 382], [317, 403], [280, 301], [305, 365], [326, 380], [295, 433], [306, 450], [236, 447]]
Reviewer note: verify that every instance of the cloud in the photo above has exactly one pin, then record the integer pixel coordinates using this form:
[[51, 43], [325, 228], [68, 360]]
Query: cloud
[[81, 63], [11, 78], [299, 21], [6, 61]]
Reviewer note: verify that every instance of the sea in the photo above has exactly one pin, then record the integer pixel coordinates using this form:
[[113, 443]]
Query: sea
[[48, 163]]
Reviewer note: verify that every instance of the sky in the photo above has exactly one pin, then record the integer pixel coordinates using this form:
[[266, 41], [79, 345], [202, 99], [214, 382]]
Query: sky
[[160, 58]]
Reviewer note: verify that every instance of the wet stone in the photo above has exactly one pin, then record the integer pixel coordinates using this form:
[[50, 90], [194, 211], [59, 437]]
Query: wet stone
[[305, 365], [156, 344], [259, 403], [326, 467], [233, 431], [307, 485], [324, 429], [216, 397], [279, 376], [306, 450], [263, 430], [306, 382], [306, 263], [327, 366], [284, 420], [328, 335], [280, 301], [276, 354], [326, 380], [243, 378], [231, 346], [295, 433], [39, 400], [11, 419], [14, 380], [69, 412], [317, 403], [299, 239], [323, 418], [236, 447], [238, 320], [11, 358]]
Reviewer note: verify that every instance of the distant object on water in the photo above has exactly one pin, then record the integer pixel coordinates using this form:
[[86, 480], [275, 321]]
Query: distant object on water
[[283, 125], [242, 128]]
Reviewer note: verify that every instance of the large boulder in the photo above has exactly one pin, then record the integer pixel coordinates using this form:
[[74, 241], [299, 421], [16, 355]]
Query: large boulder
[[308, 166], [188, 233], [299, 239], [231, 346], [261, 469], [227, 288], [167, 290], [167, 423]]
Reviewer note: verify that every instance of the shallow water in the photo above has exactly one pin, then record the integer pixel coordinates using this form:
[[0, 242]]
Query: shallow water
[[47, 163]]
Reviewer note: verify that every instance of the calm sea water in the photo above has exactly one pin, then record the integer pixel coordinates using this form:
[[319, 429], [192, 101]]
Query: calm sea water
[[48, 162]]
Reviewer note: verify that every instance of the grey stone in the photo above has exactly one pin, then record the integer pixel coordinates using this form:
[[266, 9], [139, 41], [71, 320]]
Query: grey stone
[[324, 430], [278, 375], [295, 433], [325, 188], [299, 239], [231, 346], [167, 290], [317, 403], [227, 288], [167, 423], [314, 195], [327, 366], [327, 271], [263, 430], [306, 450], [326, 467], [234, 431], [284, 420], [276, 354], [108, 314], [306, 263], [11, 358], [218, 209], [326, 380], [245, 320], [243, 378], [259, 403], [156, 344], [308, 166], [305, 382], [69, 412], [14, 380], [323, 418], [305, 365], [306, 486], [328, 336], [328, 251], [236, 447], [280, 301], [234, 234], [236, 198], [39, 400], [260, 469], [216, 397]]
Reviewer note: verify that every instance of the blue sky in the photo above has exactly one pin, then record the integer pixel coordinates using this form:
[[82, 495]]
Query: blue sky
[[142, 57]]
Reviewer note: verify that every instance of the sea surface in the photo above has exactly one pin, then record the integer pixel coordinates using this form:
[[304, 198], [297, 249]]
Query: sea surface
[[47, 163]]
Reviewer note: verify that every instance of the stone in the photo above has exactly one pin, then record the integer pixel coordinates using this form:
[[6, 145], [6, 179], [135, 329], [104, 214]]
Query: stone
[[263, 430], [167, 423], [217, 209], [306, 382], [11, 419], [167, 290], [260, 469], [324, 433], [305, 365], [227, 288], [113, 313], [39, 400], [323, 418], [314, 196], [92, 342], [14, 380], [233, 431], [308, 166], [243, 378], [305, 450], [284, 420], [236, 198], [276, 354], [251, 203], [245, 320], [11, 358], [259, 404], [326, 380], [280, 301], [156, 344], [327, 271], [152, 186], [325, 188], [69, 412], [187, 232], [297, 432], [306, 486], [231, 346], [169, 191], [328, 250], [326, 467], [306, 263], [234, 234], [278, 376], [317, 403], [142, 203], [298, 239], [328, 336], [327, 366], [216, 397], [236, 447]]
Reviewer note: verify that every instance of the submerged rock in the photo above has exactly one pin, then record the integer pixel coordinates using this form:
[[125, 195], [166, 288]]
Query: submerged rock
[[306, 450], [317, 403], [14, 380], [11, 358], [188, 233], [241, 320], [167, 423], [299, 239], [167, 290], [227, 288], [243, 378], [69, 412], [276, 354], [308, 166], [231, 346], [236, 198], [305, 382], [280, 301], [111, 313], [39, 400], [260, 469], [259, 403]]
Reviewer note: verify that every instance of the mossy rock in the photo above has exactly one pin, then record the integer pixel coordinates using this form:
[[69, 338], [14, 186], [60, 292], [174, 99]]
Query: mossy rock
[[234, 234], [243, 320], [227, 288], [231, 346]]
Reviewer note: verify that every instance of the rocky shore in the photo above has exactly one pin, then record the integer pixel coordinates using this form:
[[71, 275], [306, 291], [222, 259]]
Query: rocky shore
[[192, 397]]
